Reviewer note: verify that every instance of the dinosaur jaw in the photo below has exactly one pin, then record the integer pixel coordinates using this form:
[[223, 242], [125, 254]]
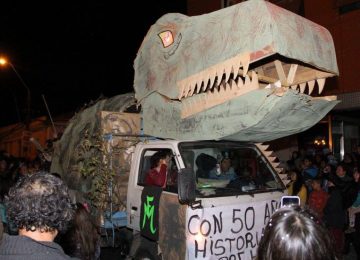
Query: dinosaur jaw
[[260, 115], [232, 78], [301, 77]]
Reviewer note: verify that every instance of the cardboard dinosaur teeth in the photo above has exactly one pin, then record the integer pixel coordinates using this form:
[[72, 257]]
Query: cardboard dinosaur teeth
[[201, 80], [292, 73], [219, 95], [311, 85], [321, 83], [302, 87], [271, 159]]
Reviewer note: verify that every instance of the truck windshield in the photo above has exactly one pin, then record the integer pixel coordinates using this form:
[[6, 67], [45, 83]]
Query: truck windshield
[[229, 168]]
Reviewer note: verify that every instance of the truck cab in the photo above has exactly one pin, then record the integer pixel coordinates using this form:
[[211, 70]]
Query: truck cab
[[218, 197]]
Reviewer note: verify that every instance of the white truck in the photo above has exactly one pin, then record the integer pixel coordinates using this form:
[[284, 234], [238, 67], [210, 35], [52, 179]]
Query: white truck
[[198, 217]]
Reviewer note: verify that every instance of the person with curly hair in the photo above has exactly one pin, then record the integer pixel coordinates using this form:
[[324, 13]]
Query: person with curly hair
[[39, 206], [295, 233]]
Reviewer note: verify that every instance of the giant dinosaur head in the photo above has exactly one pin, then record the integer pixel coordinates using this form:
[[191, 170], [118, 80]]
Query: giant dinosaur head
[[243, 73]]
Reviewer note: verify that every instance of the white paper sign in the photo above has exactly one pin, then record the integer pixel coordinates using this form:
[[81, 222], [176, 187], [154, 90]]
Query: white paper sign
[[227, 232]]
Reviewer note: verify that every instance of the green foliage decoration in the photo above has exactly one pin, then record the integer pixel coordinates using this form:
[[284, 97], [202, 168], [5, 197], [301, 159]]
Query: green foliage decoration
[[94, 162]]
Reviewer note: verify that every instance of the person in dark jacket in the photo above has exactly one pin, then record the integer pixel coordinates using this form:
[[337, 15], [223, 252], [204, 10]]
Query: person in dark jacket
[[39, 206], [335, 216], [346, 185]]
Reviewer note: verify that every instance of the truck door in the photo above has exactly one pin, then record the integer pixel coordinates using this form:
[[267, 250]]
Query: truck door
[[140, 168], [171, 236]]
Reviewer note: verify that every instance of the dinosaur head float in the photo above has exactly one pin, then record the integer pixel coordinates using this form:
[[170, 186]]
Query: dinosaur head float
[[245, 72]]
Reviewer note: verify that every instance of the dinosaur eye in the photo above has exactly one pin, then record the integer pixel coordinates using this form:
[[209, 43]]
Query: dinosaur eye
[[166, 38]]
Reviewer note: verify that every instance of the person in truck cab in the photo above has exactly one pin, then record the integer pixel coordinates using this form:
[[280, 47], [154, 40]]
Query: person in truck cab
[[225, 171], [159, 162]]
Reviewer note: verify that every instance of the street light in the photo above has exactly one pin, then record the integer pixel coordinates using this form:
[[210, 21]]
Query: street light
[[4, 62]]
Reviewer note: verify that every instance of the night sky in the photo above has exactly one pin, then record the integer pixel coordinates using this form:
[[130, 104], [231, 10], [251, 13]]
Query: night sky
[[71, 53]]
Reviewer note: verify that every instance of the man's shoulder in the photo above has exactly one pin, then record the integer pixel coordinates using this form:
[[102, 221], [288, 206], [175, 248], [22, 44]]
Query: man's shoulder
[[21, 247]]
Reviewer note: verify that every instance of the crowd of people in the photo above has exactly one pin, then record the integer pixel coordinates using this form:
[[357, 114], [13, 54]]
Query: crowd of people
[[12, 169], [39, 219], [331, 189]]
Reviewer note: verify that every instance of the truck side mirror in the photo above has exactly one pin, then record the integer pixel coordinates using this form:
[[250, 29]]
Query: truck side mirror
[[186, 186]]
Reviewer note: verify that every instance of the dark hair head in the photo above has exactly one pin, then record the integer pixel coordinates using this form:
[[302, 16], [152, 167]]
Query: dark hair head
[[295, 155], [39, 201], [308, 158], [295, 233], [82, 237], [317, 180], [298, 183], [346, 168], [205, 162], [225, 159], [156, 157]]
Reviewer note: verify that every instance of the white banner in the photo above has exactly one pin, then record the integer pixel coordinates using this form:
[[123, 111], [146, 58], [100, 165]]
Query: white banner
[[227, 232]]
